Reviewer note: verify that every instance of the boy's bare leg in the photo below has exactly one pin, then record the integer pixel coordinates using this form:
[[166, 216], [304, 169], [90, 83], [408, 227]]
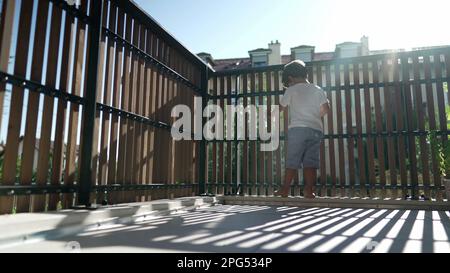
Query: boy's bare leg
[[310, 176], [284, 191]]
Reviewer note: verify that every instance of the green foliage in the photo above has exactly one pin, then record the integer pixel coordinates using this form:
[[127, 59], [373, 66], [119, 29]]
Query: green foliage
[[179, 182], [1, 166], [59, 206], [441, 148], [447, 111], [19, 167]]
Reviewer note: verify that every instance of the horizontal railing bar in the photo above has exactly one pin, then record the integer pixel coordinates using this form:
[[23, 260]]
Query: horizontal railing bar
[[389, 134], [318, 185], [352, 60], [158, 64], [355, 136], [39, 88], [132, 116], [28, 190], [400, 84], [130, 187], [39, 190], [247, 95], [56, 93], [52, 189], [252, 70], [138, 118]]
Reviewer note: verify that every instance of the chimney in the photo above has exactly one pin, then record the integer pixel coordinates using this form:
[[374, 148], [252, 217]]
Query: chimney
[[365, 46], [275, 55]]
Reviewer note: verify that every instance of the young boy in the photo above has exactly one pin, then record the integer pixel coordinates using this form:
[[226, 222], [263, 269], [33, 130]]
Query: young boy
[[307, 104]]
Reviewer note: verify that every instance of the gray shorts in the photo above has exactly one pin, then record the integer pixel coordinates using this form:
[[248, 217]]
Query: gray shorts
[[303, 148]]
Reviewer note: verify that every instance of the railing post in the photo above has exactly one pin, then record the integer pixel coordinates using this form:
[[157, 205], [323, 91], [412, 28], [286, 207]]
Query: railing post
[[202, 149], [89, 108]]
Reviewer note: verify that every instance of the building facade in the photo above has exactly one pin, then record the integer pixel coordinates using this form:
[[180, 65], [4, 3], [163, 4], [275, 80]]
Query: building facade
[[272, 55]]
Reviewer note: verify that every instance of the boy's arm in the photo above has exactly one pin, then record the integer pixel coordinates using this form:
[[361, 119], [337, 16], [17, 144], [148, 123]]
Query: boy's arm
[[325, 109], [285, 100], [324, 104]]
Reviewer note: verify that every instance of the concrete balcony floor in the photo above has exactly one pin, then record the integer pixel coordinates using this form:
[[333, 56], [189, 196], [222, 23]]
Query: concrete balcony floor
[[265, 229]]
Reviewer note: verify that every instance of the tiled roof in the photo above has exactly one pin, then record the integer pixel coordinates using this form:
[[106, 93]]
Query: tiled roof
[[230, 64], [348, 43], [303, 46], [324, 56], [260, 50], [240, 63], [285, 59]]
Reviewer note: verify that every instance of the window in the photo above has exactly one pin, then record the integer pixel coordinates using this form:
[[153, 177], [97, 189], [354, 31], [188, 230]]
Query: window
[[259, 60], [304, 56], [259, 64], [349, 51]]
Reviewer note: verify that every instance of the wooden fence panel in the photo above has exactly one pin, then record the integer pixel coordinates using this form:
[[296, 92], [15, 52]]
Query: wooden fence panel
[[349, 130], [45, 150], [269, 155], [398, 94], [384, 108], [245, 154], [359, 109], [371, 141], [229, 127], [6, 35], [431, 113], [114, 151], [380, 106], [278, 165], [410, 115], [253, 144], [11, 155], [73, 147], [60, 146], [141, 73], [29, 140], [391, 151], [424, 158], [379, 128]]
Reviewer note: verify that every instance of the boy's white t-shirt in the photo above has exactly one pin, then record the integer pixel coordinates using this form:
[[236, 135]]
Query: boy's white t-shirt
[[304, 101]]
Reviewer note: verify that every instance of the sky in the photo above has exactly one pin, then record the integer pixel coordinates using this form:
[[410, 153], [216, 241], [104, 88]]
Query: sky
[[231, 28]]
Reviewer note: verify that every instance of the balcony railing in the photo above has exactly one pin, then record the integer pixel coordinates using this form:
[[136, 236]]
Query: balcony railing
[[102, 119], [377, 138], [89, 93]]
